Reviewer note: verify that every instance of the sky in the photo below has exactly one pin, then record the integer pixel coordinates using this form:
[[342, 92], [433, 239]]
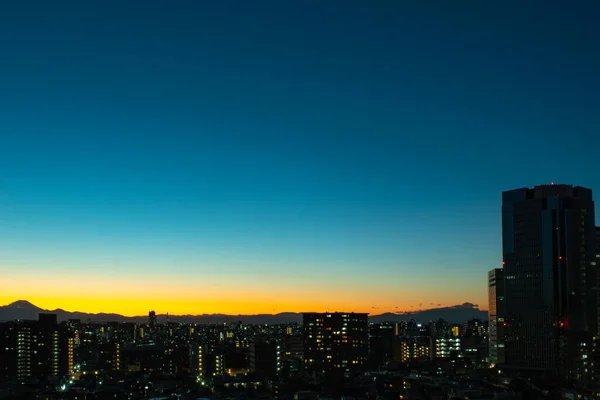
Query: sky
[[267, 156]]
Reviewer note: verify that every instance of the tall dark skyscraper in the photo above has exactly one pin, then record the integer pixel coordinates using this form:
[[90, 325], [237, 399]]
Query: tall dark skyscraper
[[152, 319], [496, 315], [548, 245], [596, 332]]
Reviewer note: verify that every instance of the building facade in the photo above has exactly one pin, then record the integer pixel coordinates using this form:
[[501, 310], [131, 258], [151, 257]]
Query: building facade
[[496, 315], [265, 357], [335, 341], [38, 350], [446, 347], [548, 246]]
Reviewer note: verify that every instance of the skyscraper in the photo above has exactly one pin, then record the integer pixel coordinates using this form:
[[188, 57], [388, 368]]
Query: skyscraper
[[596, 276], [152, 319], [496, 315], [548, 246]]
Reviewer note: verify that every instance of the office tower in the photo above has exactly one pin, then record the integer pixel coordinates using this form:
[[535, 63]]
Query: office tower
[[598, 274], [152, 319], [335, 341], [594, 361], [496, 312], [548, 250], [596, 280], [265, 357]]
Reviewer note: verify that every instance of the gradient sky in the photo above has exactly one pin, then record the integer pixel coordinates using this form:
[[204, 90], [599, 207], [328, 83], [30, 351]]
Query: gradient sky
[[260, 156]]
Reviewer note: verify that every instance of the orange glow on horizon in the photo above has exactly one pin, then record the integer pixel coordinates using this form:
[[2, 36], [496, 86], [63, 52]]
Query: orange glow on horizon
[[135, 296], [141, 307]]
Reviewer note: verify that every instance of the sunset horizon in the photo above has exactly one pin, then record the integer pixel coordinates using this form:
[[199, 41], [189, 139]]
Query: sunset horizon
[[211, 157], [144, 314]]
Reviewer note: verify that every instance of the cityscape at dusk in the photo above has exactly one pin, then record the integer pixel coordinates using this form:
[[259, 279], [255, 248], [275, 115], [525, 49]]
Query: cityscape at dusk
[[221, 157], [411, 186]]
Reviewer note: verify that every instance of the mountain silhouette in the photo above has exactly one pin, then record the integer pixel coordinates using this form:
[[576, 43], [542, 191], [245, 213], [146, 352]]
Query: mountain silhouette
[[20, 309], [22, 304], [454, 314], [24, 310]]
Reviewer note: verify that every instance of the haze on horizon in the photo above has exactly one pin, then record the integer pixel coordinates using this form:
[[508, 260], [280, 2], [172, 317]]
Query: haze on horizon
[[243, 158]]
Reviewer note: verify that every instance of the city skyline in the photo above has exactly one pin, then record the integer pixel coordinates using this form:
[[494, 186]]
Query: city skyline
[[183, 159]]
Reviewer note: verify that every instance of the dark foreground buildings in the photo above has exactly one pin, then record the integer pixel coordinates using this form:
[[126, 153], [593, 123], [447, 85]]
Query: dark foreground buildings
[[549, 275], [35, 350], [335, 341]]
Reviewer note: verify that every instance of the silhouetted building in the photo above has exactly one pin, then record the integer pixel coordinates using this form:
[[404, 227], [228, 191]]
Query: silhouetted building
[[8, 351], [197, 359], [152, 319], [335, 341], [548, 248], [474, 343], [206, 360], [66, 346], [440, 329], [109, 356], [145, 358], [214, 363], [128, 332], [496, 315], [179, 360], [265, 357], [293, 354], [594, 357], [24, 352], [35, 349], [595, 277], [381, 343]]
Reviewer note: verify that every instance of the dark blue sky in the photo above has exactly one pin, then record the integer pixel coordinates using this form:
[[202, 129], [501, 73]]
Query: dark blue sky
[[287, 138]]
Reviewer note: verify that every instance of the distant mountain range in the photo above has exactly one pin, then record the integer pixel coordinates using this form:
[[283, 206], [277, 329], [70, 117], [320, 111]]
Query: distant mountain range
[[24, 310]]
